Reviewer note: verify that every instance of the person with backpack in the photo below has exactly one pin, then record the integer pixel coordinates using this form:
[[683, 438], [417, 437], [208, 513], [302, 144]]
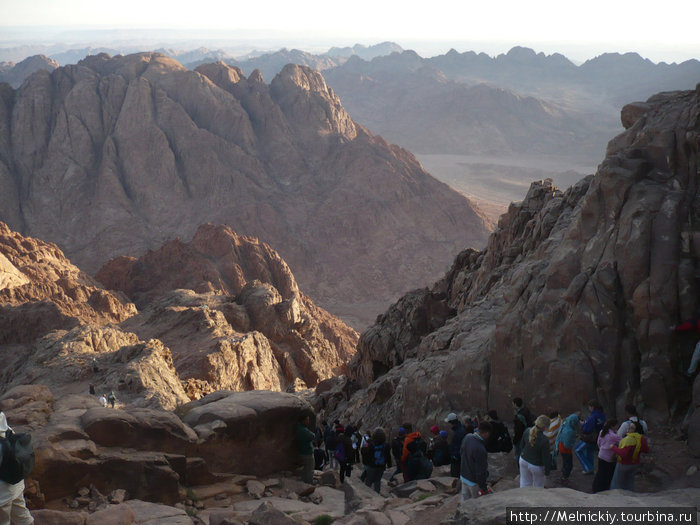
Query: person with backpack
[[16, 461], [564, 445], [632, 417], [376, 457], [585, 449], [629, 455], [499, 438], [523, 419], [458, 433], [606, 457], [397, 451], [535, 459], [344, 452]]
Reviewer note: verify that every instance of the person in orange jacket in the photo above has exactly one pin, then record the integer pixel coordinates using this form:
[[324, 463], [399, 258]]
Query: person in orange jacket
[[410, 437]]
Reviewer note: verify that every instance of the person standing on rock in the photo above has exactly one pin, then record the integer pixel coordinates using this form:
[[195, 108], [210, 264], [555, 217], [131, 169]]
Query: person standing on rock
[[13, 508], [629, 453], [376, 457], [330, 437], [458, 433], [305, 446], [112, 398], [564, 445], [474, 468], [585, 449], [606, 457], [441, 450], [406, 452], [397, 451], [535, 458], [523, 419], [500, 440]]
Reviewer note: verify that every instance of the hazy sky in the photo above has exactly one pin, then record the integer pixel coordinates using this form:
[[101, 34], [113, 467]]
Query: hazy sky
[[665, 29]]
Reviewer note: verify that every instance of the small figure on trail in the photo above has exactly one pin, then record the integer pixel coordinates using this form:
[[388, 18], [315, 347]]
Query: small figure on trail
[[535, 458], [93, 364], [376, 457], [564, 445], [91, 389], [499, 440], [103, 400], [411, 437], [344, 452], [396, 451], [12, 505], [331, 440], [606, 457], [458, 433], [585, 449], [691, 326], [112, 398], [523, 419], [418, 466], [629, 453], [305, 439], [474, 471], [632, 417]]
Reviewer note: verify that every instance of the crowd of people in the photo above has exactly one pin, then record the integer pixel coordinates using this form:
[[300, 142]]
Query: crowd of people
[[537, 442]]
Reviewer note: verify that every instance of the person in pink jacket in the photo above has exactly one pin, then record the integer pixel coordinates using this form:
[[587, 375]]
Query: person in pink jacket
[[607, 460]]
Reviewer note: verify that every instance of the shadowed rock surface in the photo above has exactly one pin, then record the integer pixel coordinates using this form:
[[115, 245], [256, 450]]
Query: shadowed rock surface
[[571, 300]]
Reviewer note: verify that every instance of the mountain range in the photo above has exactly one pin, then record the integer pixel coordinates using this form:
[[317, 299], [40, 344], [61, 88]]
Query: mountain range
[[114, 156]]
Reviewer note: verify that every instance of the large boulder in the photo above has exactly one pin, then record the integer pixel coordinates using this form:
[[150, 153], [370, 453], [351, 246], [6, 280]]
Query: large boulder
[[247, 432]]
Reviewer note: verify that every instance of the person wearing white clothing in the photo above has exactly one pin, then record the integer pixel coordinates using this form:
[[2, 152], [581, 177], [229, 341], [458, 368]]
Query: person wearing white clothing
[[13, 509], [535, 460], [631, 414]]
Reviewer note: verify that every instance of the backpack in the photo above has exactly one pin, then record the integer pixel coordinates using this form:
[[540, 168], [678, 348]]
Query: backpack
[[379, 456], [339, 453], [426, 468], [17, 457], [503, 441]]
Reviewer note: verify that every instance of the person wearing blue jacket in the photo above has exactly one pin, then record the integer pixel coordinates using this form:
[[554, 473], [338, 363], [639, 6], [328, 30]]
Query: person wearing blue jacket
[[564, 445], [586, 447]]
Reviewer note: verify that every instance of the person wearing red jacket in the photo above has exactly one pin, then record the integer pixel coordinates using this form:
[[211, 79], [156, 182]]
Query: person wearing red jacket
[[691, 326], [410, 437], [629, 454]]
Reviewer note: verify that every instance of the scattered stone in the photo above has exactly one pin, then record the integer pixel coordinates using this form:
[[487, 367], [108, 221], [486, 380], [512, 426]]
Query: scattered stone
[[329, 478], [692, 470], [83, 492], [255, 488], [316, 498], [272, 482], [266, 514], [117, 496], [307, 491]]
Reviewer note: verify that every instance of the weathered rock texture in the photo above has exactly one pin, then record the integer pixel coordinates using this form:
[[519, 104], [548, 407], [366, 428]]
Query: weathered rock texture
[[249, 327], [15, 74], [117, 155], [572, 299], [152, 453]]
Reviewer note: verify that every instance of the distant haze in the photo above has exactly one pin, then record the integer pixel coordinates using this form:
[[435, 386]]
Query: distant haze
[[664, 32]]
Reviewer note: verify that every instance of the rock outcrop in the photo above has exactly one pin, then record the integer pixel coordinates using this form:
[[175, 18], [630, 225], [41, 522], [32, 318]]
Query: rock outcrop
[[572, 299], [15, 74], [114, 156], [246, 325]]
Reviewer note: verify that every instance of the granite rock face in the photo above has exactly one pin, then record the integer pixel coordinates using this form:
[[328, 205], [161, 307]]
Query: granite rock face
[[571, 300], [114, 156], [246, 325]]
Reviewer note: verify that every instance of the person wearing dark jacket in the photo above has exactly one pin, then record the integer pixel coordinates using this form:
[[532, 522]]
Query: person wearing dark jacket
[[376, 457], [410, 438], [344, 452], [585, 449], [535, 459], [397, 450], [418, 466], [458, 433], [474, 471], [522, 419], [441, 450], [499, 440]]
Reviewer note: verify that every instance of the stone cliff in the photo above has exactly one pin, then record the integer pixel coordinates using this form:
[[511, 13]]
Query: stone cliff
[[114, 156], [572, 298], [222, 312]]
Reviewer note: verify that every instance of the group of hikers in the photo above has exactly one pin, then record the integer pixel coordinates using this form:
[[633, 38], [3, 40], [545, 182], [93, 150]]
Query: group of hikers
[[537, 444], [104, 399]]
